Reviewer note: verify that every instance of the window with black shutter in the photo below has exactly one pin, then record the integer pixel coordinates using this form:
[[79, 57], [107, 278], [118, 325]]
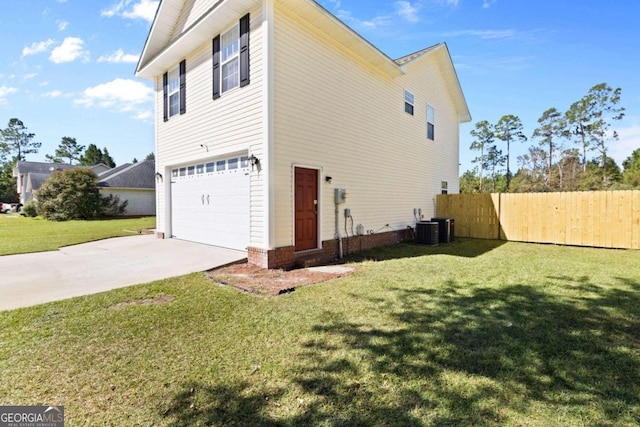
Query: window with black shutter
[[231, 58]]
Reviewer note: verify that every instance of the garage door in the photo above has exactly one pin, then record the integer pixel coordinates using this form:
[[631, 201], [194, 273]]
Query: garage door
[[210, 202]]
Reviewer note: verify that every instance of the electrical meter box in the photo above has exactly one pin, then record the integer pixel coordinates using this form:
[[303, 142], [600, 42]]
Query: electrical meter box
[[340, 195]]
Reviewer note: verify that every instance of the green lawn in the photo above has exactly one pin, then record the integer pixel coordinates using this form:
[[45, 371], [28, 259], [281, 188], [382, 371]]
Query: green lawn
[[472, 333], [20, 235]]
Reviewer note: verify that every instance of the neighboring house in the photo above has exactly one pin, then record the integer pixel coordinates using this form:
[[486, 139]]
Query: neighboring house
[[132, 182], [267, 107], [31, 175]]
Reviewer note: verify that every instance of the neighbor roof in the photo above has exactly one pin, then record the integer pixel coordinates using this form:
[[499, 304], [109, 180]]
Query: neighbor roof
[[37, 179], [137, 175], [40, 167]]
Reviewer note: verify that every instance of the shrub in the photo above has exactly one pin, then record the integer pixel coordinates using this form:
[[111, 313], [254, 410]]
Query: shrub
[[73, 194], [29, 209]]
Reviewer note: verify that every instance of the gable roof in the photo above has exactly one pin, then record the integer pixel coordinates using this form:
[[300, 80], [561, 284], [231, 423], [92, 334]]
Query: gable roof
[[162, 52], [137, 175], [24, 168], [441, 53], [35, 180]]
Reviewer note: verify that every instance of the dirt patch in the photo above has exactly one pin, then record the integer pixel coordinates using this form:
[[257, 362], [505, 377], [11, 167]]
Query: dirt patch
[[158, 299], [253, 279]]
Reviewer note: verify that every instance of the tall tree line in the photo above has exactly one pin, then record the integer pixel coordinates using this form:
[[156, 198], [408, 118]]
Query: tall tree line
[[560, 159]]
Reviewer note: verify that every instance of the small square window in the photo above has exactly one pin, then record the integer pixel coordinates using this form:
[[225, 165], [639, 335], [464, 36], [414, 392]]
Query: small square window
[[183, 171], [191, 170], [408, 102], [221, 165], [200, 169], [232, 163], [174, 173], [211, 167], [244, 161]]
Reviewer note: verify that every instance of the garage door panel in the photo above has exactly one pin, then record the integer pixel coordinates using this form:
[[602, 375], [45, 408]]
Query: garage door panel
[[212, 208]]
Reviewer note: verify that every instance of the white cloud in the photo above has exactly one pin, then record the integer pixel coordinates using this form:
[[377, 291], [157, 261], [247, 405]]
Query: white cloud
[[145, 9], [408, 11], [62, 25], [53, 94], [4, 91], [486, 4], [37, 47], [483, 34], [29, 76], [119, 95], [119, 57], [140, 9], [70, 50], [57, 94], [144, 115], [360, 24]]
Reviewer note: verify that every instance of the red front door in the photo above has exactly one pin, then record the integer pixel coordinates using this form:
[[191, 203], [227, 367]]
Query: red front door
[[306, 211]]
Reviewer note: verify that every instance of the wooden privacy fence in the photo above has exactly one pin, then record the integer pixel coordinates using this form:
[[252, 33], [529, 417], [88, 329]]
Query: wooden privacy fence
[[609, 219]]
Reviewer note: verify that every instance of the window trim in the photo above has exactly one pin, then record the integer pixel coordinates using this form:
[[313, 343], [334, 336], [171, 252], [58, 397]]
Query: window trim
[[173, 77], [409, 102], [234, 57], [181, 90], [431, 119], [444, 187], [243, 26]]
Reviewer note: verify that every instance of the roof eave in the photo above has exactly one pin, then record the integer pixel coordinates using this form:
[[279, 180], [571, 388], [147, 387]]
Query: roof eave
[[152, 64]]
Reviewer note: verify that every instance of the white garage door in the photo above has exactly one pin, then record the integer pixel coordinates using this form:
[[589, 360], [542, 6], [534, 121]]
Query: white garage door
[[210, 202]]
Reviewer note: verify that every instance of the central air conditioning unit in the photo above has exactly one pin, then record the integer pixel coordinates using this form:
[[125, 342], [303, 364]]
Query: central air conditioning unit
[[427, 233]]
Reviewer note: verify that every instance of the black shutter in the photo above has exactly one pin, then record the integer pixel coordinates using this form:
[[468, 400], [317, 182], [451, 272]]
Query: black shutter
[[216, 67], [244, 50], [183, 87], [165, 95]]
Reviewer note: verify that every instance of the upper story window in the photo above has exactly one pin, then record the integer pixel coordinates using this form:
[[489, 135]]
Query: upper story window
[[408, 102], [444, 185], [231, 58], [431, 114], [230, 52], [174, 89], [174, 92]]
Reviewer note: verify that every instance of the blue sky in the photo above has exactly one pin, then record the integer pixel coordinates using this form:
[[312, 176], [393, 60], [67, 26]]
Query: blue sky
[[67, 66]]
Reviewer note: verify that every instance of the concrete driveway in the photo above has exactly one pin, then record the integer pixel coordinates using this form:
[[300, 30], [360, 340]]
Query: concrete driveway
[[90, 268]]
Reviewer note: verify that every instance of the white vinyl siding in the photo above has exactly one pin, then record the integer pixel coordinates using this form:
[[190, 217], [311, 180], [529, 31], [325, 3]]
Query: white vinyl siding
[[327, 117], [211, 129]]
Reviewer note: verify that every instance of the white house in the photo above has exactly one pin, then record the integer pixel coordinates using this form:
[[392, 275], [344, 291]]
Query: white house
[[282, 132]]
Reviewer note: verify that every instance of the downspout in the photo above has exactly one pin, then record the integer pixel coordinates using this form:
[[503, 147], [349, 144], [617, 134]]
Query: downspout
[[338, 236]]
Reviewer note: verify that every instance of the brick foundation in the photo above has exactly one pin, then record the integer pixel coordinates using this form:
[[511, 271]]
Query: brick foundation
[[286, 257]]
